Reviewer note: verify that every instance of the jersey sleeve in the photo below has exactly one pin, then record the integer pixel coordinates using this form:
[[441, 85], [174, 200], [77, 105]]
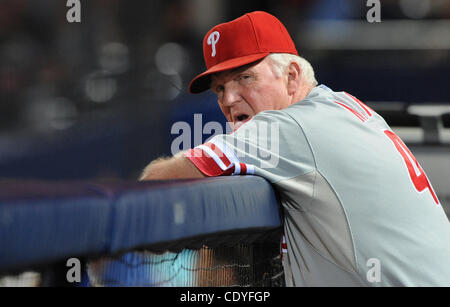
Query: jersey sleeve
[[271, 145]]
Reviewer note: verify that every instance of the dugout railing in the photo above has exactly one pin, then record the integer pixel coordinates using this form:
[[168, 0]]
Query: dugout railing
[[214, 225]]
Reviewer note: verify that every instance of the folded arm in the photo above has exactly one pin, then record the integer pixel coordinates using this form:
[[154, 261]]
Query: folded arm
[[176, 167]]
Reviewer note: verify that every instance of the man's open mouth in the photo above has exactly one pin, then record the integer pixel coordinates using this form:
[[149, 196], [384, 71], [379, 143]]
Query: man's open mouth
[[242, 117], [239, 120]]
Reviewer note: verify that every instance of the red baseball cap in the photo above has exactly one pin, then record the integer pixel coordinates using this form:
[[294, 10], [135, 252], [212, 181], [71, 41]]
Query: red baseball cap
[[244, 40]]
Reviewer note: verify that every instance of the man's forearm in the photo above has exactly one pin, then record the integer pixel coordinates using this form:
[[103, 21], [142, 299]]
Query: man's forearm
[[152, 168], [177, 167]]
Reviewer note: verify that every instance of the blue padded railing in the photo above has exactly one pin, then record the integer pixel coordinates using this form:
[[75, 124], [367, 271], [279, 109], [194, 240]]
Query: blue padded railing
[[42, 222]]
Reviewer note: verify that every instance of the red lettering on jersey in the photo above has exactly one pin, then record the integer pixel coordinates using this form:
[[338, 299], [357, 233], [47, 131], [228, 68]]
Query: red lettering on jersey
[[364, 106], [361, 115], [420, 181]]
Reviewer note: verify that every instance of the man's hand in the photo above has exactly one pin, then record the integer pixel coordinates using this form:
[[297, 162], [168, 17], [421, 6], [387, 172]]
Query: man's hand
[[177, 167]]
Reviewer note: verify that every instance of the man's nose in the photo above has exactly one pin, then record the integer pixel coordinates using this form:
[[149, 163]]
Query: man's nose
[[231, 96]]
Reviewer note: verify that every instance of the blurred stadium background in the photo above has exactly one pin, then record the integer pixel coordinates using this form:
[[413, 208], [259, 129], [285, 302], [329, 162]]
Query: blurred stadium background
[[97, 99]]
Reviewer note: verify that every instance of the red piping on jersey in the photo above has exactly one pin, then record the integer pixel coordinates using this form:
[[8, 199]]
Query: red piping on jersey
[[219, 153]]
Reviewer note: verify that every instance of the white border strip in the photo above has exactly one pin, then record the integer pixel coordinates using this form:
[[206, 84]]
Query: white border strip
[[213, 155], [229, 154]]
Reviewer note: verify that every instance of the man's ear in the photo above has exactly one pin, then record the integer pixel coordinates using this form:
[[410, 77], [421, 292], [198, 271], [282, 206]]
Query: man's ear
[[294, 77]]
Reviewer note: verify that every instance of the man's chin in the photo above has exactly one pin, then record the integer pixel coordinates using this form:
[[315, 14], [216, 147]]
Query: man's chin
[[236, 125]]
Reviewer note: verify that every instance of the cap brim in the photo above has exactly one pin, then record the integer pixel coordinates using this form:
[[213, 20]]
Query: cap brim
[[202, 82]]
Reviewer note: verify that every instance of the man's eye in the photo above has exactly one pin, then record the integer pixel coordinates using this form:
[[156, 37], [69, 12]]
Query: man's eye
[[244, 79], [219, 89]]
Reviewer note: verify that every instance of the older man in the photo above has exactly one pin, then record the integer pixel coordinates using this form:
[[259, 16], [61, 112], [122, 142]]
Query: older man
[[358, 208]]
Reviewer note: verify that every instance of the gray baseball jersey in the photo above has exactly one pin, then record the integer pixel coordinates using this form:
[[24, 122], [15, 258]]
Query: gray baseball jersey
[[358, 208]]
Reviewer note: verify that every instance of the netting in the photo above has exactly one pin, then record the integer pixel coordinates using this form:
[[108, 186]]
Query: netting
[[238, 266], [250, 265]]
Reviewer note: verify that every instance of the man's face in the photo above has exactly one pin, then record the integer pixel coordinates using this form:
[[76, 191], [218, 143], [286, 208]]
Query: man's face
[[248, 90]]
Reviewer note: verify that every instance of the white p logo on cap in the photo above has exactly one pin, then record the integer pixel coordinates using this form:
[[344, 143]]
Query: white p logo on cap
[[213, 38]]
